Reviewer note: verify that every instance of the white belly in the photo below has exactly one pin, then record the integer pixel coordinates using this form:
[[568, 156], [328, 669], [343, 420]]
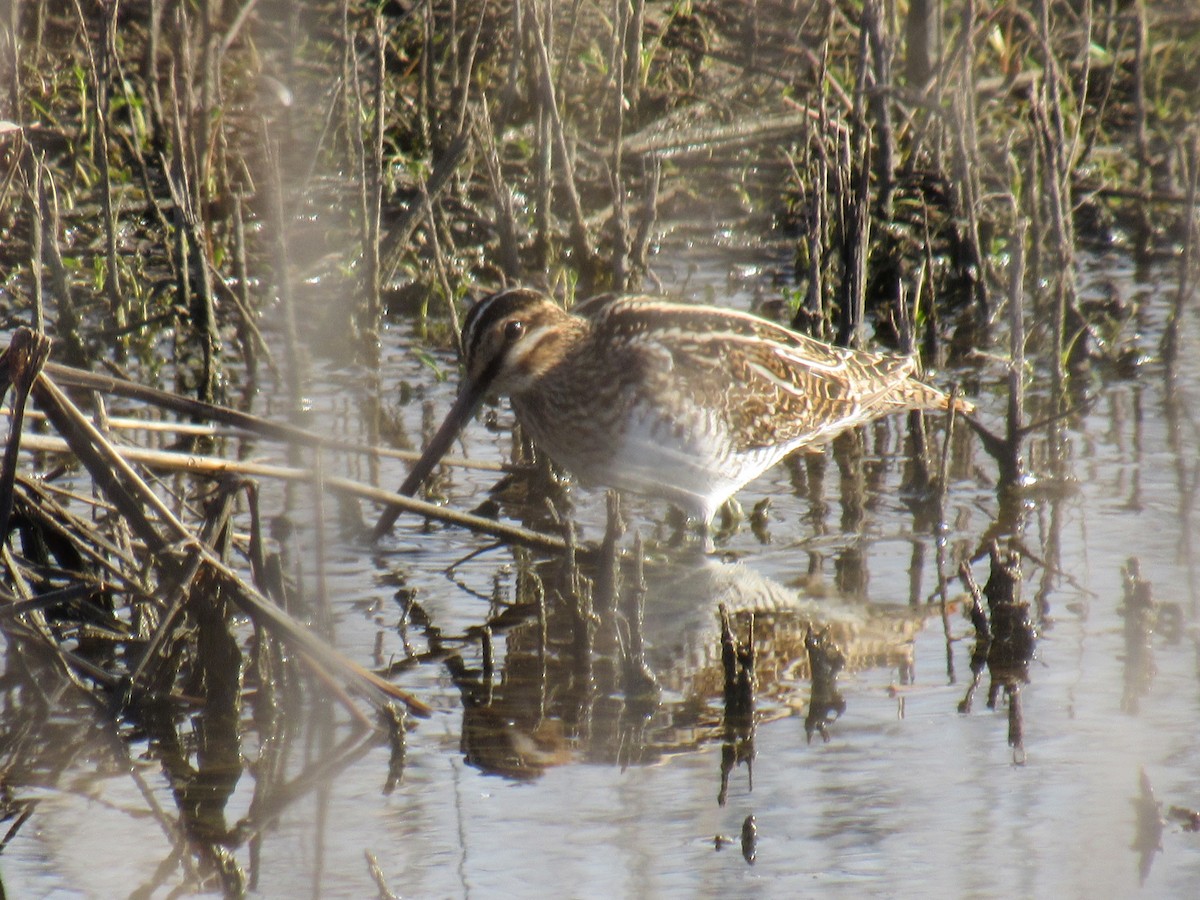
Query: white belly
[[691, 465]]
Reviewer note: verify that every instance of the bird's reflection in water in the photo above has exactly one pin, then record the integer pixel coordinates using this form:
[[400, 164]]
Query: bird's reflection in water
[[634, 681]]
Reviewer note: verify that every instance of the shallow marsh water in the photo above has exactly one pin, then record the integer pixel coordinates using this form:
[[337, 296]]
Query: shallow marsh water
[[525, 782]]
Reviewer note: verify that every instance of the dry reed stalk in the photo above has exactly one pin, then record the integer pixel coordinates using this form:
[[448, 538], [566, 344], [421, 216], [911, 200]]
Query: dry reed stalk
[[880, 91], [173, 594], [637, 680], [619, 262], [112, 563], [218, 466], [856, 231], [250, 339], [608, 581], [483, 130], [374, 185], [922, 32], [263, 428], [967, 163], [36, 199], [67, 328], [1186, 287], [542, 35], [366, 162], [101, 74], [1011, 465], [20, 363], [138, 504], [443, 169], [279, 236]]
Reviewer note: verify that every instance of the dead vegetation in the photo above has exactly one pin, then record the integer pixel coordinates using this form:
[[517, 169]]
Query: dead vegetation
[[187, 188]]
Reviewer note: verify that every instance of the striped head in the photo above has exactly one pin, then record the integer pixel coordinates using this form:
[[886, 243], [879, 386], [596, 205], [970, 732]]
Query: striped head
[[511, 338]]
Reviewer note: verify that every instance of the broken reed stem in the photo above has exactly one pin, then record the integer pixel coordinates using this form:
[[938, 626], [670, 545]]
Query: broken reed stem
[[173, 598], [20, 364], [367, 163], [1079, 103], [213, 465], [737, 662], [203, 310], [107, 560], [607, 587], [263, 428], [651, 179], [36, 200], [10, 56], [135, 501], [151, 426]]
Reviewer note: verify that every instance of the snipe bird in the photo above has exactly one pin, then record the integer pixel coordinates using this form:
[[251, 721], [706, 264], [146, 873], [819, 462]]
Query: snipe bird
[[687, 403]]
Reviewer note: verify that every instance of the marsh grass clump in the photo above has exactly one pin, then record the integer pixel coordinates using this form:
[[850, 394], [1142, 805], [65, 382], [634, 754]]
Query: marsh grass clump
[[189, 169], [205, 198], [206, 203]]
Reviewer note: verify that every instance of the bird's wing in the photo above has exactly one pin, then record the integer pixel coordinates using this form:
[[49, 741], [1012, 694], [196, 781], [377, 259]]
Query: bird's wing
[[768, 384]]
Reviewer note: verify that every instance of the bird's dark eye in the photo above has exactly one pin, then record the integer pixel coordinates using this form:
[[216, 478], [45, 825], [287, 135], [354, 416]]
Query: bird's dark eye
[[514, 329]]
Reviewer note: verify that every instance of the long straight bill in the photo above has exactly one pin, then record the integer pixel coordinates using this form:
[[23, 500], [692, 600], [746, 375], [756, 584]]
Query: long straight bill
[[469, 398], [464, 407]]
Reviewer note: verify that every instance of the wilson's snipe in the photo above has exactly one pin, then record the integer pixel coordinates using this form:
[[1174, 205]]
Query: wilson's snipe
[[687, 403]]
